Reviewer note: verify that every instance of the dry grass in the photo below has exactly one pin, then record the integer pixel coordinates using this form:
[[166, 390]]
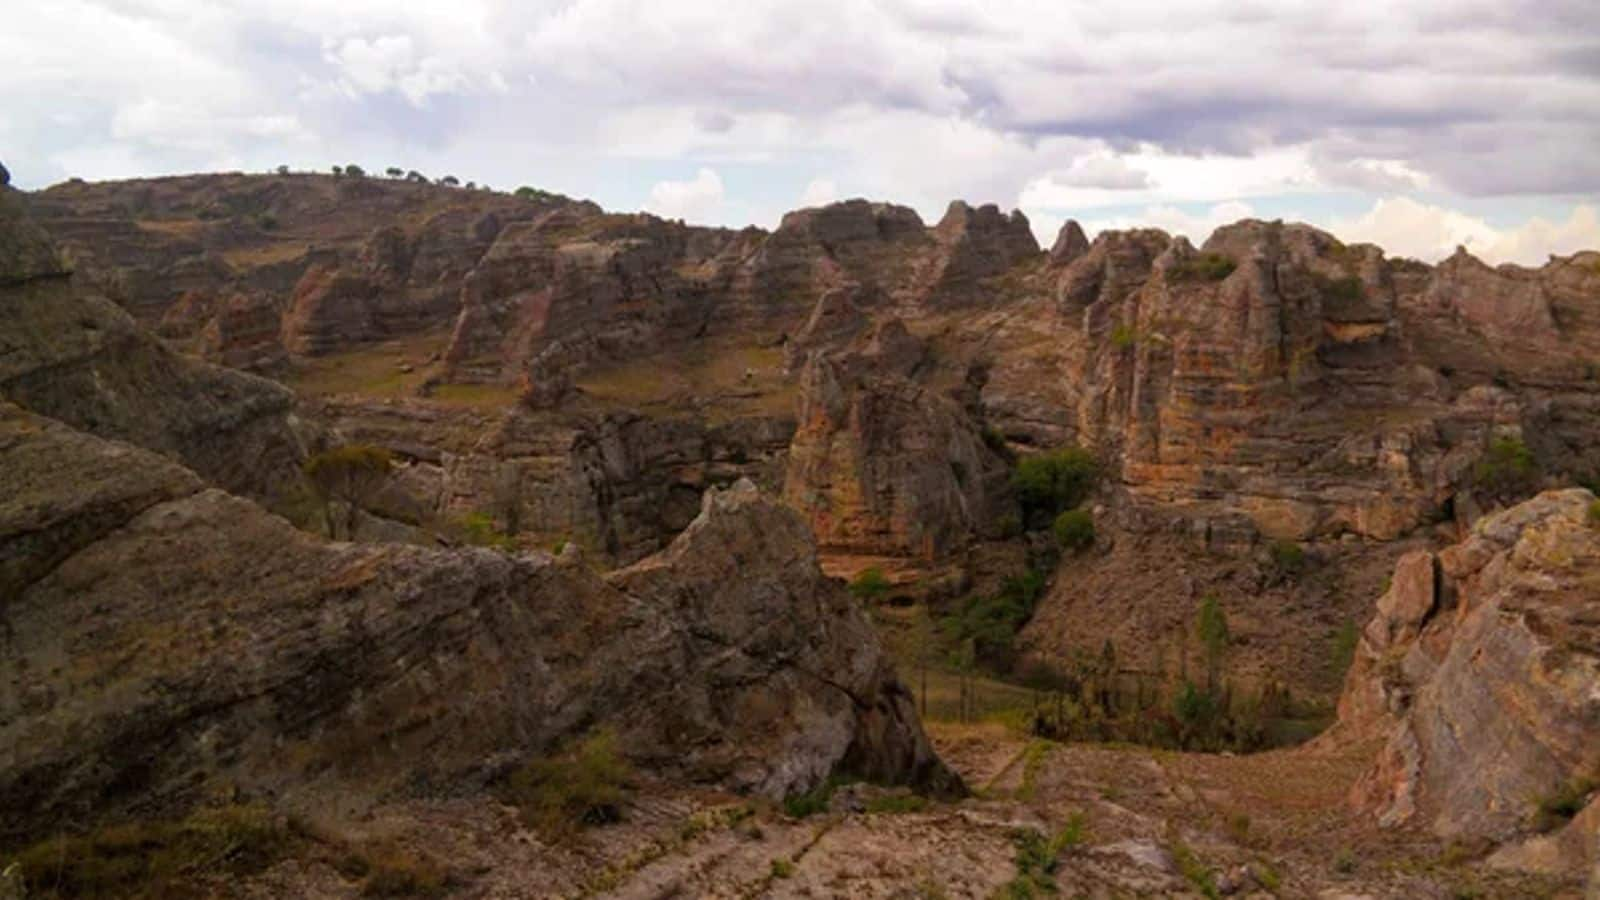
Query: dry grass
[[376, 372], [711, 371], [174, 227], [264, 254]]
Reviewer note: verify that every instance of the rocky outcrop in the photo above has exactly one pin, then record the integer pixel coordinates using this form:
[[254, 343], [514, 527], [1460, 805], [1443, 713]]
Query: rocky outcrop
[[976, 244], [567, 290], [244, 333], [1480, 673], [212, 645], [77, 357], [621, 485], [883, 465]]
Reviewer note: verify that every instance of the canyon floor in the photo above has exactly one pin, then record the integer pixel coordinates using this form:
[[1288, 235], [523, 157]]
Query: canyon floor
[[1126, 822]]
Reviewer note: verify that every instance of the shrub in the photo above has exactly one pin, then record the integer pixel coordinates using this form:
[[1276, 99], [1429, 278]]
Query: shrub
[[1594, 514], [450, 181], [1074, 529], [814, 801], [1051, 483], [416, 177], [991, 623], [585, 785], [479, 530], [1123, 336], [1198, 873], [352, 473], [1204, 267], [392, 872], [156, 858], [782, 868], [1038, 857], [869, 585], [393, 172], [355, 171], [1508, 469], [1558, 807], [267, 222], [1287, 560]]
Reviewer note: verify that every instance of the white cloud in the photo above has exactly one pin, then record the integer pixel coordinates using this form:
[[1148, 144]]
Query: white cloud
[[696, 200], [819, 192], [1407, 227]]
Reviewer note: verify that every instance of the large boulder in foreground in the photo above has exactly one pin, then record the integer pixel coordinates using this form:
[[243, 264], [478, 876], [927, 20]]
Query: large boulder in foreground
[[164, 639], [1481, 675]]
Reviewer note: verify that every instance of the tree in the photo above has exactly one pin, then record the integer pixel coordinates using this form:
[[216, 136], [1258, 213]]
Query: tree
[[1051, 483], [870, 585], [283, 170], [1211, 626], [393, 172], [338, 171], [355, 171], [416, 177], [450, 181], [352, 473], [472, 185]]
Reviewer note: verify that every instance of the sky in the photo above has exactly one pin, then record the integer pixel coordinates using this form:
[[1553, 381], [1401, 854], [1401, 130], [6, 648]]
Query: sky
[[1418, 126]]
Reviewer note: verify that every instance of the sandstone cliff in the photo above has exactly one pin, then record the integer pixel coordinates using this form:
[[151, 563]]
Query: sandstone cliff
[[1480, 672], [72, 355], [162, 636]]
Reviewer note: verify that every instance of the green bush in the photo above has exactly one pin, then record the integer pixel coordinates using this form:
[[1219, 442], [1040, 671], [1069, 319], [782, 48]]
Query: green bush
[[1594, 514], [352, 472], [991, 624], [1508, 469], [1074, 529], [1123, 336], [869, 585], [585, 785], [1038, 857], [479, 530], [1287, 560], [1203, 267], [814, 801], [1051, 483]]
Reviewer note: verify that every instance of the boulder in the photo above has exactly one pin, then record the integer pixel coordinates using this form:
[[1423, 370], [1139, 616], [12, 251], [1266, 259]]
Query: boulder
[[213, 646], [1487, 708]]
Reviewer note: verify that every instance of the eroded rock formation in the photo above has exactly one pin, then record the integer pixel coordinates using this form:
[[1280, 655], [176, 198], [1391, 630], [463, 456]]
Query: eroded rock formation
[[1480, 672]]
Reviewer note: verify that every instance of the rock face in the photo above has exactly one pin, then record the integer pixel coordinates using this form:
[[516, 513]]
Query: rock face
[[77, 357], [1481, 673], [212, 643], [882, 465]]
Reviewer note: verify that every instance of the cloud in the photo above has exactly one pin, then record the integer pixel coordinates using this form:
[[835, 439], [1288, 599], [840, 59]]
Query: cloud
[[696, 200], [819, 192], [390, 63], [1407, 227], [1104, 171], [1062, 107]]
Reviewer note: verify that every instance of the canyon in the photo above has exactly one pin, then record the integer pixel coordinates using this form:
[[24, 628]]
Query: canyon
[[707, 490]]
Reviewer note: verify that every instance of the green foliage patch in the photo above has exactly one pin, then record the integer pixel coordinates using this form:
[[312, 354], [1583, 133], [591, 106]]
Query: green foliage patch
[[587, 784]]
